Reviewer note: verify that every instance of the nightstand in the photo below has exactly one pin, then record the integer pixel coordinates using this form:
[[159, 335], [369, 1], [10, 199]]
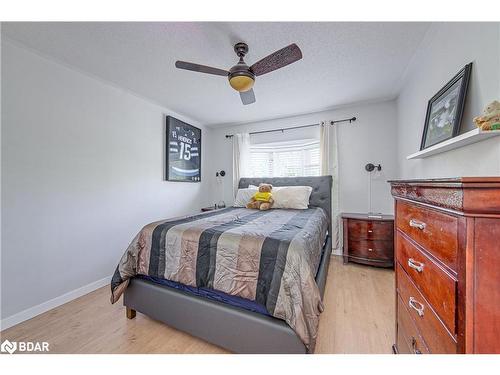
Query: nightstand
[[210, 208], [368, 239]]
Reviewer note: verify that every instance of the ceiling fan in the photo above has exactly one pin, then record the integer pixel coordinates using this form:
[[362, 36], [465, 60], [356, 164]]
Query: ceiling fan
[[241, 76]]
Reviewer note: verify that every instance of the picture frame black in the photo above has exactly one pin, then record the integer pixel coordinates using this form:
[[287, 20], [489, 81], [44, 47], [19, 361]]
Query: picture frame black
[[182, 151], [445, 110]]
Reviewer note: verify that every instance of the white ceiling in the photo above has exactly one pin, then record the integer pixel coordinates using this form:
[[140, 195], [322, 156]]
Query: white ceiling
[[343, 63]]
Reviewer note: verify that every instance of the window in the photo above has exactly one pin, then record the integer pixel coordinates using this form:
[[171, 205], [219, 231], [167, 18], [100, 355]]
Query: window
[[285, 159]]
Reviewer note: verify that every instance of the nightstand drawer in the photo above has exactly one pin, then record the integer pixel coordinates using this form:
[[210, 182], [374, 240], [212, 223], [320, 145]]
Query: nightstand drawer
[[370, 230], [372, 249]]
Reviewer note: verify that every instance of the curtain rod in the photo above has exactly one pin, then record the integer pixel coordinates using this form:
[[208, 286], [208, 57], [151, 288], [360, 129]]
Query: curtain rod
[[296, 127]]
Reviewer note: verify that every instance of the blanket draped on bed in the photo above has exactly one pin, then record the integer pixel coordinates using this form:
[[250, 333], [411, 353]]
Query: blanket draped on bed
[[270, 257]]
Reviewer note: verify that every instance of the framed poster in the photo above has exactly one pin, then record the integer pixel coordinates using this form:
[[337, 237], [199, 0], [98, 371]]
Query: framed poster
[[445, 109], [183, 151]]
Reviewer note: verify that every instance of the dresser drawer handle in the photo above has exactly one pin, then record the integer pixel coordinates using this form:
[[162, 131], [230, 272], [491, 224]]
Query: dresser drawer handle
[[417, 306], [370, 249], [370, 231], [412, 263], [417, 224]]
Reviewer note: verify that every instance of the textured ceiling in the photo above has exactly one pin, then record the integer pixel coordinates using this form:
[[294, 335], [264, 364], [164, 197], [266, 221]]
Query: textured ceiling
[[343, 63]]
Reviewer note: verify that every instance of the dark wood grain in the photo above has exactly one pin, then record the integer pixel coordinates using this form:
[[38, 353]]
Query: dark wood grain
[[345, 240], [487, 286], [459, 245], [370, 229], [438, 339], [439, 237], [365, 216], [372, 249], [482, 200], [401, 346], [367, 240], [408, 336], [461, 301], [385, 263], [438, 287]]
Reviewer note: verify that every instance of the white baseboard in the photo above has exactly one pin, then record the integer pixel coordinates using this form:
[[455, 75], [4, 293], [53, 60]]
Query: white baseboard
[[337, 252], [53, 303]]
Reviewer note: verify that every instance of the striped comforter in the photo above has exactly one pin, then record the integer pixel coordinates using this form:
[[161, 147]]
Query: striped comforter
[[270, 257]]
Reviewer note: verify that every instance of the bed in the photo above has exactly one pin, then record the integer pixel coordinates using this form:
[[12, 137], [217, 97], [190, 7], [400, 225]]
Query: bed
[[247, 319]]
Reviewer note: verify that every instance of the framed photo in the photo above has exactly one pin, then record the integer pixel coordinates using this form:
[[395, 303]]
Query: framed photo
[[445, 109], [183, 151]]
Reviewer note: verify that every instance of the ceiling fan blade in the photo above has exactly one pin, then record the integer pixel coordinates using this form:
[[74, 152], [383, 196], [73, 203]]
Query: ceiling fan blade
[[277, 60], [200, 68], [247, 97]]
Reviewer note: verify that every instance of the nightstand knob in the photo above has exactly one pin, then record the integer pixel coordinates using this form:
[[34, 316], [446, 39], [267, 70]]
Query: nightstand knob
[[370, 249], [370, 231]]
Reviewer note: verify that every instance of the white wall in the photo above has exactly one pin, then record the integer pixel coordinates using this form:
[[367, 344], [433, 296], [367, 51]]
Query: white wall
[[372, 138], [82, 172], [82, 160], [446, 49]]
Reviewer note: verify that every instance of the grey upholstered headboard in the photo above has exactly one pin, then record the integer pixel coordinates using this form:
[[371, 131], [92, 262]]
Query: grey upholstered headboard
[[321, 195]]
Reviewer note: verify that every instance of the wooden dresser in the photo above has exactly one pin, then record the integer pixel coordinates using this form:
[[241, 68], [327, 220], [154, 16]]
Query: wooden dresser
[[447, 240], [368, 240]]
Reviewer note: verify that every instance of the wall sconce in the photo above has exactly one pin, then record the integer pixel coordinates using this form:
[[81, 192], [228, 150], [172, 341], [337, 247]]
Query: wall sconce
[[221, 173], [218, 177], [370, 167]]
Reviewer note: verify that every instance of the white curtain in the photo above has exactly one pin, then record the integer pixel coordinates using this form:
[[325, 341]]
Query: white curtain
[[241, 157], [329, 166]]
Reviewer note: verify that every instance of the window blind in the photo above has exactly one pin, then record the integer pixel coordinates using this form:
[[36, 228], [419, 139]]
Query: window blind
[[285, 159]]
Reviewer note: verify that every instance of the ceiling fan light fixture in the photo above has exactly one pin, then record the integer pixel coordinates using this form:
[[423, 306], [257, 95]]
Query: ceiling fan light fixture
[[241, 83]]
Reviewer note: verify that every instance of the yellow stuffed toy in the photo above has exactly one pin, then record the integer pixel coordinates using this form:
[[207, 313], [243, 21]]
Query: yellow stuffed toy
[[263, 199], [491, 117]]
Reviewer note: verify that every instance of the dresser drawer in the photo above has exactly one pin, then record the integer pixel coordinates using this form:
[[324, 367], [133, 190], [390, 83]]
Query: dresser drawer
[[371, 230], [437, 338], [438, 287], [435, 231], [409, 339], [401, 343], [372, 249]]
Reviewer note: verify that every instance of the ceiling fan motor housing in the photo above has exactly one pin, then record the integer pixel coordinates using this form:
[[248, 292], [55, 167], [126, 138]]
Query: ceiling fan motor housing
[[241, 78], [241, 49]]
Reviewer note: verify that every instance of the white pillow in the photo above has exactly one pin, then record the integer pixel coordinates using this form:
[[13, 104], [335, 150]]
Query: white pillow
[[295, 197], [243, 196]]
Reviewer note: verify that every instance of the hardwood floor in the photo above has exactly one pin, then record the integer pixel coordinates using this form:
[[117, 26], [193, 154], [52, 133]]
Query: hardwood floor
[[358, 318], [359, 310]]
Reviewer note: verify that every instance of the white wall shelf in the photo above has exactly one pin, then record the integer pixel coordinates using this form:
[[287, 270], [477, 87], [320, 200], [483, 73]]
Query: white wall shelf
[[460, 140]]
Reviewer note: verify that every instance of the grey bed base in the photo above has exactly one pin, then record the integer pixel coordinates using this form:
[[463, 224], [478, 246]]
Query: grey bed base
[[232, 328]]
